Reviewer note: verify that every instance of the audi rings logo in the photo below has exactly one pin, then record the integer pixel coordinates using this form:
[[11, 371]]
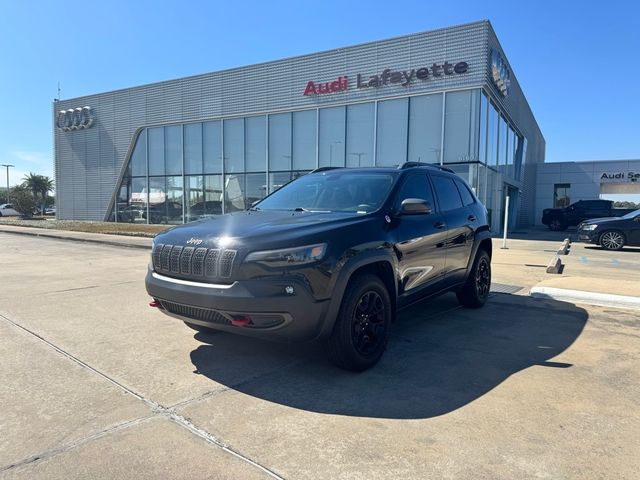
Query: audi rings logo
[[500, 73], [75, 119]]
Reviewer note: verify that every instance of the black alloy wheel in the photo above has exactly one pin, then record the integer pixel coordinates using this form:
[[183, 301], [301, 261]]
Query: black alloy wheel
[[476, 290], [361, 331], [556, 225], [612, 240], [368, 323]]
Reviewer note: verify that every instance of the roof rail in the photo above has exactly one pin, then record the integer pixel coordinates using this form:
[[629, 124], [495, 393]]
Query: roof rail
[[406, 165], [324, 169]]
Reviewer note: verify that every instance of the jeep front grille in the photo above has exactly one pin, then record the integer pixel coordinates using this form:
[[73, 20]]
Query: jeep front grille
[[190, 262]]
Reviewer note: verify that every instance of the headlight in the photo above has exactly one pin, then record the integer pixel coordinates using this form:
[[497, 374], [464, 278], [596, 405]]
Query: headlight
[[289, 256], [589, 227]]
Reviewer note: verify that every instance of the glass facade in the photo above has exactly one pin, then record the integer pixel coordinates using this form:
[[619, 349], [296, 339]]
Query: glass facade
[[180, 173]]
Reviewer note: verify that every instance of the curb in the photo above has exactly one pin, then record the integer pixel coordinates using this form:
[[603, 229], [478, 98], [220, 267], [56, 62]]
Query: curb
[[589, 298], [555, 266], [564, 248], [106, 241]]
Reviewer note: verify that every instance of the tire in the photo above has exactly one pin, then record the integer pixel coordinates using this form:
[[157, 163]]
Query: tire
[[200, 328], [361, 331], [612, 240], [475, 292], [557, 225]]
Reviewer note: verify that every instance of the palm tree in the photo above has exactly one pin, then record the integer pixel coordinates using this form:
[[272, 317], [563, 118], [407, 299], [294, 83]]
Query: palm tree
[[32, 182], [40, 186]]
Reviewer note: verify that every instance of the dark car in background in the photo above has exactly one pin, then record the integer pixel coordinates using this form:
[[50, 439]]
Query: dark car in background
[[202, 210], [612, 233], [332, 255], [164, 212], [560, 218]]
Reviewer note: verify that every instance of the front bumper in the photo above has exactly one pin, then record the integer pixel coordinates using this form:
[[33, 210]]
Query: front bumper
[[588, 236], [254, 308]]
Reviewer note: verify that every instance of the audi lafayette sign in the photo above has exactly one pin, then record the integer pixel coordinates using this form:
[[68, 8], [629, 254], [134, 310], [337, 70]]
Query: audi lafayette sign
[[75, 119], [404, 78]]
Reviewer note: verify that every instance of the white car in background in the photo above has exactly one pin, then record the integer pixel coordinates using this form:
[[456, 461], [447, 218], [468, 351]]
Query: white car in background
[[6, 210]]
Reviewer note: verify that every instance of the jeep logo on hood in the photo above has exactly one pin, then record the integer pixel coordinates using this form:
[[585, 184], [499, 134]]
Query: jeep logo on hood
[[194, 241]]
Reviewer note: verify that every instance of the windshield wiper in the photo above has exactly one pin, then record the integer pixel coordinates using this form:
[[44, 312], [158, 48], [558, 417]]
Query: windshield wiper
[[302, 209]]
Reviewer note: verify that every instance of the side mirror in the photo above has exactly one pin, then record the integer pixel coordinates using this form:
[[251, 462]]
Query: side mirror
[[415, 206], [637, 219]]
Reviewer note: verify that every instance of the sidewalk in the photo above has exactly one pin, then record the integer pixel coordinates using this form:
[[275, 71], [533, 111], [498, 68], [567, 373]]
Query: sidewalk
[[102, 238], [590, 275]]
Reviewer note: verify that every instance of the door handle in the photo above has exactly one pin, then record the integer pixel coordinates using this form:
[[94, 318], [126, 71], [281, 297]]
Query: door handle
[[439, 225], [471, 218]]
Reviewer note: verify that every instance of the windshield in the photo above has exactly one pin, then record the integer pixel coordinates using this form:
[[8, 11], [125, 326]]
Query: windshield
[[333, 191], [631, 215]]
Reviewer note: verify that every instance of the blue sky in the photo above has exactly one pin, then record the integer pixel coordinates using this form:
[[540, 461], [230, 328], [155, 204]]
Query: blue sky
[[577, 62]]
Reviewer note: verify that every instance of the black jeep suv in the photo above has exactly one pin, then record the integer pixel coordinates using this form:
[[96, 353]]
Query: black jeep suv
[[332, 255]]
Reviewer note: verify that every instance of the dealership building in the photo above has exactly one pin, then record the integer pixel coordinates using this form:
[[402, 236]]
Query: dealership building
[[562, 183], [178, 150]]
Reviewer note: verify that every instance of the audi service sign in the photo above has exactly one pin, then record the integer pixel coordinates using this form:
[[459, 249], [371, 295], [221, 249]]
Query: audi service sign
[[75, 119]]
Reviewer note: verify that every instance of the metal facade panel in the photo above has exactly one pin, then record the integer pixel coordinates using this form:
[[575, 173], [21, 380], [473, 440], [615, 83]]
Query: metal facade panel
[[89, 162]]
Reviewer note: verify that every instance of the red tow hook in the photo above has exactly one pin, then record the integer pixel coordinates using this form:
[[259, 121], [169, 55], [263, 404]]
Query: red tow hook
[[155, 304], [241, 321]]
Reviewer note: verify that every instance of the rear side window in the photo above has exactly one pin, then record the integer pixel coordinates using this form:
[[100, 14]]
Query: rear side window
[[415, 186], [447, 193], [467, 198]]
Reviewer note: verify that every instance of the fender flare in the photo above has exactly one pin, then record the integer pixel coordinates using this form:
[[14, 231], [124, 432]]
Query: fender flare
[[345, 274], [478, 239]]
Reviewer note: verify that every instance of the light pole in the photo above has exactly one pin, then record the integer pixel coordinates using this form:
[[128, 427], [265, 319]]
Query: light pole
[[8, 166]]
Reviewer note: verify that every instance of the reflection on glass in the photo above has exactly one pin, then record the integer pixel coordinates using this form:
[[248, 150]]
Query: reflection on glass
[[194, 193], [392, 132], [278, 180], [331, 144], [193, 148], [157, 200], [425, 128], [360, 124], [461, 135], [492, 139], [212, 147], [234, 193], [304, 140], [280, 141], [484, 111], [255, 143], [212, 195], [256, 188], [138, 164], [234, 145], [156, 151], [173, 149], [502, 142], [131, 201], [174, 200]]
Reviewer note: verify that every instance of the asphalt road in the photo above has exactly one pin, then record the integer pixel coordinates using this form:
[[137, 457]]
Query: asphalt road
[[95, 384]]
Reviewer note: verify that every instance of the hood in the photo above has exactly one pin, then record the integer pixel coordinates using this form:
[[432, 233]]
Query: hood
[[592, 221], [256, 228]]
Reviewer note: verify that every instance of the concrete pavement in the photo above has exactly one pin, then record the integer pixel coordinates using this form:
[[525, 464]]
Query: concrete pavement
[[98, 385]]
